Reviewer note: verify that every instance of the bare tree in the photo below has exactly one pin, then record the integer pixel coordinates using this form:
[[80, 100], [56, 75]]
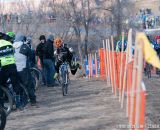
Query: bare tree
[[119, 12], [2, 16]]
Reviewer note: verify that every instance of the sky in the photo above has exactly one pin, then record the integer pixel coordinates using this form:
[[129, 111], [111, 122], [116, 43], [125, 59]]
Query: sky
[[8, 0]]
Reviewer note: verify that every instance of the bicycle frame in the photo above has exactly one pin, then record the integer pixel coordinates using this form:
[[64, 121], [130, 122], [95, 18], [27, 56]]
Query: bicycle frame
[[65, 78], [64, 70]]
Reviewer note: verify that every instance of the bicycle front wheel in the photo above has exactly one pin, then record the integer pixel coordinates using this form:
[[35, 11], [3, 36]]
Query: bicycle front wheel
[[65, 84], [2, 118], [7, 99], [65, 89]]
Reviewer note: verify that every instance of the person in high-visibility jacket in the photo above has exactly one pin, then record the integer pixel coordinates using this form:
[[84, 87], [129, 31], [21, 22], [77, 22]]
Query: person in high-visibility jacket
[[8, 68]]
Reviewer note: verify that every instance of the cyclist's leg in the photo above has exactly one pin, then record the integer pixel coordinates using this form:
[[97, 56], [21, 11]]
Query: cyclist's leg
[[23, 95], [74, 66], [3, 79], [1, 100], [13, 75], [5, 72], [57, 66], [29, 85]]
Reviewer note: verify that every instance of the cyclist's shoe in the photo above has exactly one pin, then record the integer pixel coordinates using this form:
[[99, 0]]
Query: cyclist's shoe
[[56, 75], [21, 108], [33, 103], [79, 65], [55, 84]]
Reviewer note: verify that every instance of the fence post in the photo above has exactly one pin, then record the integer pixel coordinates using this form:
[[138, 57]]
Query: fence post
[[108, 66], [125, 70], [114, 68], [96, 64], [89, 63], [129, 60], [121, 67], [105, 62], [132, 96]]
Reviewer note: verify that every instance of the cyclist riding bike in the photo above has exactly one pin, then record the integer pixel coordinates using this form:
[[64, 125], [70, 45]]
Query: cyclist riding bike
[[8, 68], [63, 53]]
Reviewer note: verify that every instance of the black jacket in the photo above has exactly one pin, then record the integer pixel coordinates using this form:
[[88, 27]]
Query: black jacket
[[64, 54], [26, 50], [40, 50], [48, 50]]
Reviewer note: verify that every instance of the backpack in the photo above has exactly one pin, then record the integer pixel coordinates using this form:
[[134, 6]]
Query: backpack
[[24, 50]]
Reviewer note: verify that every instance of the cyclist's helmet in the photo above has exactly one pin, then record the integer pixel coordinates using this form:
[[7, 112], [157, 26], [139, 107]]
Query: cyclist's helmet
[[11, 34], [58, 42]]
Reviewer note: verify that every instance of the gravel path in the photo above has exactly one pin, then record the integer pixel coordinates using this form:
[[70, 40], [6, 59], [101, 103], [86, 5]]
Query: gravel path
[[90, 105]]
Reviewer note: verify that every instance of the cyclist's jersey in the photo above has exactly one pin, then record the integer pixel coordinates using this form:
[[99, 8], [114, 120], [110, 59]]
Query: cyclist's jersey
[[6, 53], [63, 54]]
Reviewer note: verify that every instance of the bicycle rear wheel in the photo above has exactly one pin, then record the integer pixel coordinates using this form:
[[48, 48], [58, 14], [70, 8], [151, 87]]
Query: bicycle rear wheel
[[7, 99], [35, 80], [37, 77], [24, 97], [2, 118]]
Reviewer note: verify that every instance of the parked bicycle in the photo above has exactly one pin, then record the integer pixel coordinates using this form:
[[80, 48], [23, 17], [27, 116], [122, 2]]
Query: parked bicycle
[[37, 76]]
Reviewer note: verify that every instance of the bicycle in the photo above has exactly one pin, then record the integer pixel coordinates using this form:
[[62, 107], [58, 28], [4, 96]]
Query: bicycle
[[3, 118], [9, 99], [37, 76], [64, 78]]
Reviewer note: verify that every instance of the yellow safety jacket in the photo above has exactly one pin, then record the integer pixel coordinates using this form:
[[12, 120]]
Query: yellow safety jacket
[[6, 53]]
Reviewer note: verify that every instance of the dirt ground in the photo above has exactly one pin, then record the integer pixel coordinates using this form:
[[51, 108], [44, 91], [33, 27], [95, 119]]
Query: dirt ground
[[153, 101], [90, 105]]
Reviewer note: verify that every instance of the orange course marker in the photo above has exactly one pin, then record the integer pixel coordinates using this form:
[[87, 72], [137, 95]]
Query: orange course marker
[[102, 64]]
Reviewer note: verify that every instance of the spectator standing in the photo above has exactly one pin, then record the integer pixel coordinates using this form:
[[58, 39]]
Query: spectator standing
[[40, 54], [48, 61], [22, 54]]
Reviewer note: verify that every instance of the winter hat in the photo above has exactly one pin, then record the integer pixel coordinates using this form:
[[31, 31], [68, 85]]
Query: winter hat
[[19, 37], [51, 38], [42, 37]]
